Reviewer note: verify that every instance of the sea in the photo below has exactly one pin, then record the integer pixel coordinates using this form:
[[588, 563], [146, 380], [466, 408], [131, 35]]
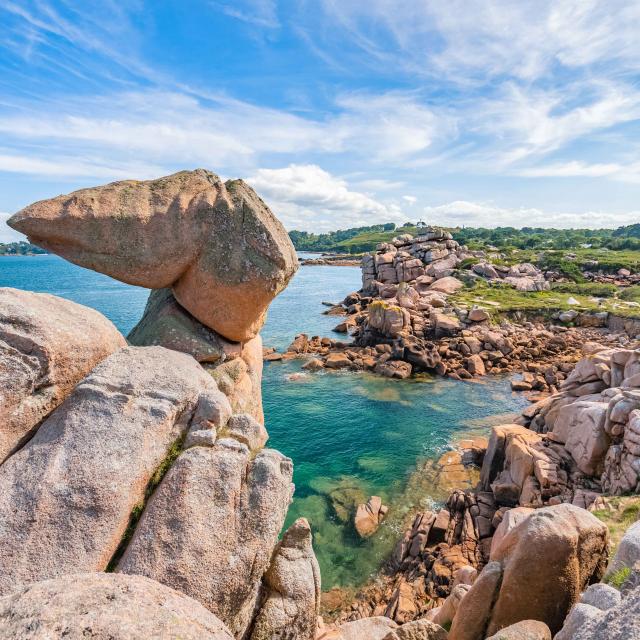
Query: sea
[[350, 435]]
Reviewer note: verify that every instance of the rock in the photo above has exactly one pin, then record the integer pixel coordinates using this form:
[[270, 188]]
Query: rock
[[486, 270], [620, 623], [165, 323], [470, 622], [547, 561], [337, 360], [475, 365], [602, 596], [291, 604], [418, 630], [525, 630], [477, 314], [388, 319], [240, 379], [66, 497], [245, 429], [369, 516], [446, 285], [447, 611], [511, 519], [628, 551], [216, 244], [47, 345], [394, 369], [211, 525], [314, 364], [105, 606], [446, 325], [375, 628]]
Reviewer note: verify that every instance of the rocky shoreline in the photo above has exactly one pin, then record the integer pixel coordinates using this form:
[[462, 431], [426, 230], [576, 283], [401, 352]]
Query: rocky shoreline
[[138, 498]]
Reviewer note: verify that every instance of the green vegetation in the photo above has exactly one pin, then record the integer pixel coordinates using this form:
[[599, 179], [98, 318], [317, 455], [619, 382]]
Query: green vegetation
[[354, 240], [20, 249], [136, 512], [621, 513], [631, 294], [596, 289], [619, 577]]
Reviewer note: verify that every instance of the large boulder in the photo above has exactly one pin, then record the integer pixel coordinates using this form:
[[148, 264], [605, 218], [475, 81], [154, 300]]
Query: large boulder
[[537, 572], [211, 525], [166, 323], [628, 551], [67, 496], [47, 345], [291, 603], [105, 606], [216, 244]]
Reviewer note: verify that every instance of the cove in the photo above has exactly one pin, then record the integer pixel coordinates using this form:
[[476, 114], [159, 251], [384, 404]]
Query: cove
[[349, 435]]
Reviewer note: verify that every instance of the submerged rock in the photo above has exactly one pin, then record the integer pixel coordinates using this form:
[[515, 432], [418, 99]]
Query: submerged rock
[[106, 605], [217, 244], [47, 345], [369, 516]]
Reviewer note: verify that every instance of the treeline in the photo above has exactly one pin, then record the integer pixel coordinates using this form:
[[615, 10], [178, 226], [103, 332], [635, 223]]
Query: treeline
[[362, 239], [305, 241], [21, 248], [539, 238]]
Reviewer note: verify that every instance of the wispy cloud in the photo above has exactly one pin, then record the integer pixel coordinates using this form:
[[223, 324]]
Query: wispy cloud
[[261, 13], [308, 197]]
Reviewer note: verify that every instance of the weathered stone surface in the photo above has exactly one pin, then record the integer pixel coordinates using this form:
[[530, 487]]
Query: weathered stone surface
[[210, 527], [369, 516], [165, 323], [217, 244], [620, 623], [602, 596], [547, 561], [105, 606], [240, 379], [525, 630], [628, 551], [418, 630], [375, 628], [66, 496], [446, 285], [47, 345], [290, 607]]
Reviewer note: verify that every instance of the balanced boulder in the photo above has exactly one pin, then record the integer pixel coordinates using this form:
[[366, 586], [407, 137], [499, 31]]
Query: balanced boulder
[[47, 345], [217, 244]]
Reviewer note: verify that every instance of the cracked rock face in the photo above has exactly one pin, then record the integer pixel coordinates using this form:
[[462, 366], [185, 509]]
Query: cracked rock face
[[217, 244], [211, 525], [47, 345], [291, 601], [106, 605], [67, 495]]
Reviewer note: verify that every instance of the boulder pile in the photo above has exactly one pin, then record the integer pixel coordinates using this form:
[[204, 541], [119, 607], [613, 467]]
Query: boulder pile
[[149, 460]]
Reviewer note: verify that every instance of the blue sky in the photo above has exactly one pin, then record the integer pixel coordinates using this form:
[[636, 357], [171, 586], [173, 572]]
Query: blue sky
[[339, 112]]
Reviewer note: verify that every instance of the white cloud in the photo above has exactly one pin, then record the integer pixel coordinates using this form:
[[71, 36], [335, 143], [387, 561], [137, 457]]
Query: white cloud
[[410, 199], [307, 197], [481, 214], [261, 13], [7, 234], [624, 173]]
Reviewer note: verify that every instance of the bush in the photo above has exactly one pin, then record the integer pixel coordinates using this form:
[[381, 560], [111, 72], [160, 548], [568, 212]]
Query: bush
[[631, 293]]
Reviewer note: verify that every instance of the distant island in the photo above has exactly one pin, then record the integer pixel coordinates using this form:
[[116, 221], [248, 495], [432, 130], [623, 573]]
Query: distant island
[[21, 248]]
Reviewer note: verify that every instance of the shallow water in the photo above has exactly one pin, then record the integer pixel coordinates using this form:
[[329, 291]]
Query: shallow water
[[350, 435]]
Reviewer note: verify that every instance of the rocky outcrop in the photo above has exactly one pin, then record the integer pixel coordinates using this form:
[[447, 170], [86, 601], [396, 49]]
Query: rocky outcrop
[[291, 600], [67, 496], [210, 526], [216, 244], [537, 572], [47, 345], [611, 620], [103, 605]]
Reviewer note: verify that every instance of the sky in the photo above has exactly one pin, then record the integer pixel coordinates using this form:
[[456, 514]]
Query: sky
[[339, 113]]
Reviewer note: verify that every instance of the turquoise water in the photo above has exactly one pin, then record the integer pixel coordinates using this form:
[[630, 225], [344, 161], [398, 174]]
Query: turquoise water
[[350, 435]]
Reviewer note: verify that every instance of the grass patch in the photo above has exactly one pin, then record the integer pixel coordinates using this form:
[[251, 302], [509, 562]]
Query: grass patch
[[625, 510], [597, 289], [136, 513], [619, 577], [631, 294]]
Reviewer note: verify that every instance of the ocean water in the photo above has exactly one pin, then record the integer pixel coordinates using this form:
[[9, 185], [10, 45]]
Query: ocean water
[[350, 435]]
